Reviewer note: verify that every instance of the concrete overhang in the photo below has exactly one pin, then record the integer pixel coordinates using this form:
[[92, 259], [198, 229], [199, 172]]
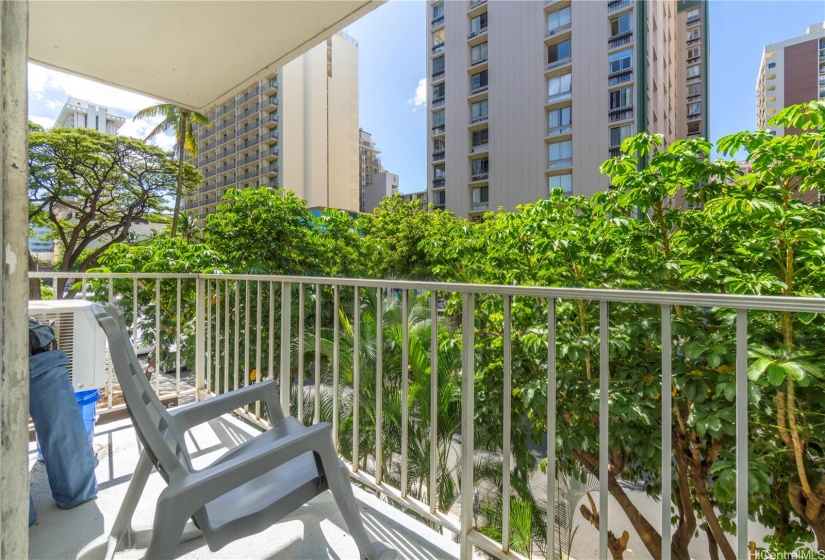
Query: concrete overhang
[[188, 52]]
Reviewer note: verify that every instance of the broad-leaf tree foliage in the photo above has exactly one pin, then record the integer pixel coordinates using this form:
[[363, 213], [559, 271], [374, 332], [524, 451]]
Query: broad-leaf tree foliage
[[89, 187]]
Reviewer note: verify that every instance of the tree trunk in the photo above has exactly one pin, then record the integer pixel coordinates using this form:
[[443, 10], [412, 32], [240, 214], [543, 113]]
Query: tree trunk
[[179, 190], [34, 283], [712, 521], [811, 508], [713, 548]]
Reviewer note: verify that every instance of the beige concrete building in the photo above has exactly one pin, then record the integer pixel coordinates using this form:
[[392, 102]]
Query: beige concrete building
[[527, 96], [791, 71], [419, 195], [369, 157], [297, 129], [381, 185], [77, 113]]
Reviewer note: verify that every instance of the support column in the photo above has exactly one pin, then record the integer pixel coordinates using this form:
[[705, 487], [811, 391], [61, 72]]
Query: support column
[[14, 288]]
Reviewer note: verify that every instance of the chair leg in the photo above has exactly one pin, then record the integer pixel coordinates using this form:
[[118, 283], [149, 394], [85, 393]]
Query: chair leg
[[167, 531], [341, 489], [105, 546]]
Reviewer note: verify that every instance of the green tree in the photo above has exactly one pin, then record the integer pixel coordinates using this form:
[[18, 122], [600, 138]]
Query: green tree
[[89, 187], [180, 122]]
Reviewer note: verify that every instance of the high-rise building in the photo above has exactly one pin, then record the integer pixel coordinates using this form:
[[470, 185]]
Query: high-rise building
[[77, 113], [381, 185], [526, 96], [418, 195], [369, 165], [296, 129], [791, 71]]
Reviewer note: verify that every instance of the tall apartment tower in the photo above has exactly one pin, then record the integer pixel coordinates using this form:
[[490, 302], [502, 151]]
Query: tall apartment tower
[[526, 96], [296, 128], [369, 164], [792, 71], [77, 113]]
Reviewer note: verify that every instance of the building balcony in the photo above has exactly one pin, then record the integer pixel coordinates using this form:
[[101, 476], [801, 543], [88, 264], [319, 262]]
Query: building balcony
[[438, 48], [479, 119], [694, 59], [476, 3], [559, 63], [558, 97], [438, 102], [478, 90], [694, 133], [477, 32], [479, 177], [228, 123], [615, 5], [620, 77], [478, 61], [271, 169], [206, 133], [697, 97], [439, 183], [438, 156], [693, 79], [317, 530], [480, 206], [438, 76], [614, 151], [557, 31], [559, 163], [559, 130], [693, 19], [270, 104], [694, 117], [437, 22], [271, 85], [249, 159], [620, 113], [439, 129], [620, 40], [225, 110], [480, 149], [694, 41]]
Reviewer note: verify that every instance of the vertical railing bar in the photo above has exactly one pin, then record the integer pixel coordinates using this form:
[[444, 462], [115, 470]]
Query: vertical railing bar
[[158, 342], [301, 313], [226, 335], [551, 425], [247, 319], [379, 385], [742, 433], [336, 347], [218, 337], [236, 349], [258, 296], [356, 376], [286, 319], [604, 377], [433, 400], [134, 313], [177, 335], [271, 371], [667, 429], [467, 422], [209, 357], [405, 389], [83, 288], [109, 367], [200, 315], [55, 288], [507, 420], [317, 411]]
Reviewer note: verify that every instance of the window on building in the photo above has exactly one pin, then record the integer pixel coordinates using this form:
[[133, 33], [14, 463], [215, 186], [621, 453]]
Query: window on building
[[558, 117], [439, 198], [693, 71], [438, 145], [559, 18], [693, 34], [621, 98], [694, 108], [439, 171], [438, 118], [620, 61], [481, 166], [558, 51], [558, 85], [772, 65], [438, 65], [479, 109], [560, 150], [438, 11], [438, 37], [693, 15], [480, 137], [478, 23], [621, 24], [481, 195], [693, 53], [478, 80], [438, 91], [619, 133], [693, 128], [563, 182], [478, 52], [694, 89]]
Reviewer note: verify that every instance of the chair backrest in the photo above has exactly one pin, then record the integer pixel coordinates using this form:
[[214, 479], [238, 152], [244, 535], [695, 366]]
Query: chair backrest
[[157, 429]]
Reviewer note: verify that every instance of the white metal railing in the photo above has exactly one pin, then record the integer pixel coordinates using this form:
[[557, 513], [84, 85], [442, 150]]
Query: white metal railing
[[223, 308]]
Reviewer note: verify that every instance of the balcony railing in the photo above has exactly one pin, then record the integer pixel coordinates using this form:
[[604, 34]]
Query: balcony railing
[[479, 89], [692, 19], [479, 176], [478, 61], [620, 39], [559, 130], [228, 325], [694, 117], [620, 113], [438, 75], [558, 63], [618, 5], [438, 102], [439, 129], [438, 48], [696, 97], [614, 151], [559, 163], [692, 79], [480, 206], [694, 41], [477, 32], [438, 156], [694, 59], [439, 183], [438, 22], [557, 30], [474, 3], [555, 98], [620, 77], [479, 119]]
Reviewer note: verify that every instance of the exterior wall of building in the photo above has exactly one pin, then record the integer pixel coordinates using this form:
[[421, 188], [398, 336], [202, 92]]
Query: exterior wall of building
[[383, 184], [369, 160], [77, 113], [296, 129], [420, 195], [529, 45]]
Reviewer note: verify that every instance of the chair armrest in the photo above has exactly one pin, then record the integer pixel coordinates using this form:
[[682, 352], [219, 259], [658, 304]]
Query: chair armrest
[[193, 414], [205, 485]]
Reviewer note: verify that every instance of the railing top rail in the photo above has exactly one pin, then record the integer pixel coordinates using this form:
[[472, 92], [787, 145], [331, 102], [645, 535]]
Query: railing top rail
[[731, 301]]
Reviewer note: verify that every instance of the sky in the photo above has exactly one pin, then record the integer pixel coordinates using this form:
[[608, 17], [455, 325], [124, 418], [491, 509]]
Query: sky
[[392, 67]]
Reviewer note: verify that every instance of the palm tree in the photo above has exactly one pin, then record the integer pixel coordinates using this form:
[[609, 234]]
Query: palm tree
[[179, 121], [189, 230]]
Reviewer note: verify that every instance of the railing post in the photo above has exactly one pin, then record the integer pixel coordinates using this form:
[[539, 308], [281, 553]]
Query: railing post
[[742, 433], [286, 307], [467, 422], [200, 310]]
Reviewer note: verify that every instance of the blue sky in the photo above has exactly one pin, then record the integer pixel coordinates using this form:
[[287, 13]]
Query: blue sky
[[392, 66]]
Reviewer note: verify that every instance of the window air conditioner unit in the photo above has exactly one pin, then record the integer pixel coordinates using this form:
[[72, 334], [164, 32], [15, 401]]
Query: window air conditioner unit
[[79, 336]]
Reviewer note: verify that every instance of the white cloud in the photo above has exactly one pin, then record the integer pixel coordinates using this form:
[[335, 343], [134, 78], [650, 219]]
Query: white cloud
[[419, 98], [45, 122]]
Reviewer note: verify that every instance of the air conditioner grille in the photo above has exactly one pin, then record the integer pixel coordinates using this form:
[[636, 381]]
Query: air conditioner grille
[[63, 332]]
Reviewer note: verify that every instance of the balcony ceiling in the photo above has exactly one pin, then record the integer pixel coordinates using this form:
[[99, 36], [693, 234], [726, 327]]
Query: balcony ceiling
[[188, 52]]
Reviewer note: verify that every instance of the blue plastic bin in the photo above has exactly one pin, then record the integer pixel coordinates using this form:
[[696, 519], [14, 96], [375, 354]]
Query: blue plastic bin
[[87, 401]]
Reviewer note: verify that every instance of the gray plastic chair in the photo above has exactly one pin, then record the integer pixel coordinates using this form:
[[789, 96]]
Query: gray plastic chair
[[245, 491]]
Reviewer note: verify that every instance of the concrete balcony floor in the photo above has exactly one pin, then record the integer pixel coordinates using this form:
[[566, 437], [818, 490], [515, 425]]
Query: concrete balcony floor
[[315, 531]]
